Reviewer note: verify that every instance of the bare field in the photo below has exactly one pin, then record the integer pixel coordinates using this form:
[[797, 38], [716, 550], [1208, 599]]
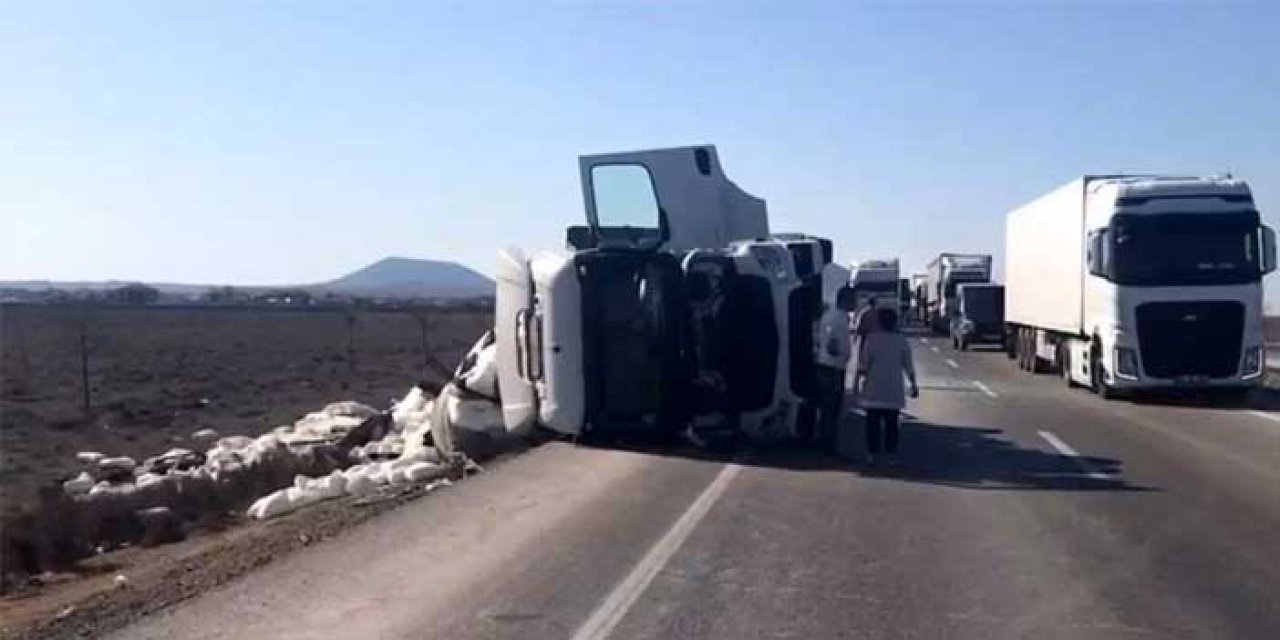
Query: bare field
[[156, 375]]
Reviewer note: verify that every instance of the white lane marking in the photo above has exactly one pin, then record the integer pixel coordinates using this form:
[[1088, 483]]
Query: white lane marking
[[933, 349], [1066, 450], [985, 389], [924, 340], [1266, 416], [615, 606], [953, 364]]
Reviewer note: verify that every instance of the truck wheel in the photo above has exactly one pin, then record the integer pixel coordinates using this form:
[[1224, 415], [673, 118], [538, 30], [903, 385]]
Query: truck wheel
[[1024, 359], [1100, 386], [1019, 352], [1009, 342], [1034, 363]]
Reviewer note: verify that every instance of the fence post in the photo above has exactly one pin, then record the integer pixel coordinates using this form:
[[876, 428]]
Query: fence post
[[430, 363], [350, 316], [83, 325]]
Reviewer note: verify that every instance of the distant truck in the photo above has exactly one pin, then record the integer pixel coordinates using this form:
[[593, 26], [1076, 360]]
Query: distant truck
[[944, 274], [904, 298], [875, 279], [979, 317], [1125, 283], [919, 282]]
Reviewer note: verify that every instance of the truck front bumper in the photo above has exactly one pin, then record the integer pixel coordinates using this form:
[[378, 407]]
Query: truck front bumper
[[1165, 384]]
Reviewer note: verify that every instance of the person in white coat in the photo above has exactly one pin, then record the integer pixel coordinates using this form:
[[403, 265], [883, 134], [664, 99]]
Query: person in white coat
[[884, 360]]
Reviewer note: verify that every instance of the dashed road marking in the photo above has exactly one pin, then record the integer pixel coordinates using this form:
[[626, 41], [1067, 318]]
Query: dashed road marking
[[1066, 450], [985, 389], [619, 601], [933, 349], [1266, 416], [953, 364]]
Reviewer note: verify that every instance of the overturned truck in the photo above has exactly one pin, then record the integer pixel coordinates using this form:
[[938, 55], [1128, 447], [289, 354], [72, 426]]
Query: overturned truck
[[673, 308]]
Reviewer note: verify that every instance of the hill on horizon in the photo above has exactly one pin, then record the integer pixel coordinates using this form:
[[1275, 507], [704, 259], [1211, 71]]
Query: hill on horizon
[[398, 277], [393, 277]]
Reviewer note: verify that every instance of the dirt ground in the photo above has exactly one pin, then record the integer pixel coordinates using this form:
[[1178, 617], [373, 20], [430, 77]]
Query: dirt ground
[[92, 602], [158, 375]]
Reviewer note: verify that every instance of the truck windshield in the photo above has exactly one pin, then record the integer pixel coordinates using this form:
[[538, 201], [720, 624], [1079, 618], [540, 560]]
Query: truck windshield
[[961, 277], [1185, 249], [890, 287], [984, 304]]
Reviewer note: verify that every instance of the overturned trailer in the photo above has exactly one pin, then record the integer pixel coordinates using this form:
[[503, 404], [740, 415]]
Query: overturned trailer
[[674, 308]]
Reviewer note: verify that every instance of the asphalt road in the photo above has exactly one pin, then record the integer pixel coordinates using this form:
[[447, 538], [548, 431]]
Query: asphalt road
[[1023, 510]]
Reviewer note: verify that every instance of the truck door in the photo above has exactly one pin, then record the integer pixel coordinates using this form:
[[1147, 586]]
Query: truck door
[[676, 197]]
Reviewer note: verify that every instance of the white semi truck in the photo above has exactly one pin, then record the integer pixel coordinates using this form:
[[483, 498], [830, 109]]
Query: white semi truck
[[1124, 283], [944, 274], [875, 279]]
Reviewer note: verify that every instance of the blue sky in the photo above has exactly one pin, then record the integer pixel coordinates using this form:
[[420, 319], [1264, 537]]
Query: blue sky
[[277, 142]]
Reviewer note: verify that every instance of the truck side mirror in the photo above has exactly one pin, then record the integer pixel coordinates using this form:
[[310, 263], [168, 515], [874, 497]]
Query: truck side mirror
[[1097, 253], [1268, 250]]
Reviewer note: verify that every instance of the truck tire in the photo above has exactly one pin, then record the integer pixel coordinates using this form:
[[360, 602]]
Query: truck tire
[[1015, 347], [1024, 353], [1034, 364], [1010, 344], [1064, 363], [1100, 386]]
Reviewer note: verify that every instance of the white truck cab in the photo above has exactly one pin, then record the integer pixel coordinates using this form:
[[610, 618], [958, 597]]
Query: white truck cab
[[1139, 282], [876, 279]]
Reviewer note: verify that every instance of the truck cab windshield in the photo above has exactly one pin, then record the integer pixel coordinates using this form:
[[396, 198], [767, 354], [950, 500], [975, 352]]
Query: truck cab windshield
[[983, 304], [1186, 249], [961, 277]]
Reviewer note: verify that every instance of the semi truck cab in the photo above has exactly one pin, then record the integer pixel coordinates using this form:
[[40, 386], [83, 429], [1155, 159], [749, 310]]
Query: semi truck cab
[[1173, 289]]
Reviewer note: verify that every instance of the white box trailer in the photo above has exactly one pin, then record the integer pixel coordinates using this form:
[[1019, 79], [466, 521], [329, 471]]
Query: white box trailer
[[1133, 282]]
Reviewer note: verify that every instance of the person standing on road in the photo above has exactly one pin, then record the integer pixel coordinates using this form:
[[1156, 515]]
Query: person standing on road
[[833, 351], [865, 320], [883, 361]]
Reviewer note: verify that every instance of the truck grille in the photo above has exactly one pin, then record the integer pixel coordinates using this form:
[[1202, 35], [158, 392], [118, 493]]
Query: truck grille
[[1180, 339]]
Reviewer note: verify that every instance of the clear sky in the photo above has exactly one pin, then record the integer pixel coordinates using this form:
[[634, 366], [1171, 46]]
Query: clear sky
[[279, 142]]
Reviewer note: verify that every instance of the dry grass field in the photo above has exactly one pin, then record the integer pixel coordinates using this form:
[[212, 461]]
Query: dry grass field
[[156, 375]]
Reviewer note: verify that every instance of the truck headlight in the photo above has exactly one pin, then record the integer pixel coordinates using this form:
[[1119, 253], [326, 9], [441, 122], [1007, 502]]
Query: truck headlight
[[1251, 364], [1126, 362]]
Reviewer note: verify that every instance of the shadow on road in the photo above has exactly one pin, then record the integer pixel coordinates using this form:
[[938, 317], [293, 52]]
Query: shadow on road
[[1263, 399], [980, 458], [967, 457]]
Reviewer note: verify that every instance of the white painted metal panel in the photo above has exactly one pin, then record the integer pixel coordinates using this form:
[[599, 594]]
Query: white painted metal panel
[[1045, 261]]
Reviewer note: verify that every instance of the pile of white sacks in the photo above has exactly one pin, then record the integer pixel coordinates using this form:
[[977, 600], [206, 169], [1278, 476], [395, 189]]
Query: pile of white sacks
[[346, 449], [403, 457]]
